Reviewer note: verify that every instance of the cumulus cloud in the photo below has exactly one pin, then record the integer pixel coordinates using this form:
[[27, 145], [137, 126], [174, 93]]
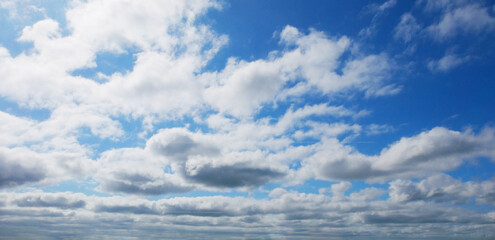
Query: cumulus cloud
[[23, 166], [242, 87], [55, 55], [199, 158], [231, 144], [429, 152], [47, 151], [15, 170], [136, 171], [76, 102], [240, 169], [442, 188]]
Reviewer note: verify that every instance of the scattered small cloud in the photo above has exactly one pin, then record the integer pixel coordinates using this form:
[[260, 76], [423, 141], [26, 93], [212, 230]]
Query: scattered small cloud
[[447, 63]]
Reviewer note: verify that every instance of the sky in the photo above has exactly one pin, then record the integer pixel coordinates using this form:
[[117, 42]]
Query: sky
[[247, 119]]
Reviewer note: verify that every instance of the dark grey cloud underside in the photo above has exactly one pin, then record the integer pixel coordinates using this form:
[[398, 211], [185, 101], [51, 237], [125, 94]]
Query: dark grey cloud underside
[[126, 186], [59, 202], [14, 174], [233, 176]]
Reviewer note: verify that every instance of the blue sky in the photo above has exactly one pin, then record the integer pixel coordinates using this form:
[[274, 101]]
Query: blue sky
[[247, 119]]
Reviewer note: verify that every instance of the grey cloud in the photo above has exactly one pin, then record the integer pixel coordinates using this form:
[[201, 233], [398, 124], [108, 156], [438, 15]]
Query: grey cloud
[[296, 214], [41, 213], [44, 201], [427, 153], [140, 185], [347, 169], [14, 173], [421, 214], [232, 176], [23, 166], [215, 169], [432, 217], [179, 145], [193, 211], [139, 209], [136, 171], [442, 188], [305, 215]]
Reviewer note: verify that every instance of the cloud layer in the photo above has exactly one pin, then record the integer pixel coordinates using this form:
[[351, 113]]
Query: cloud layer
[[254, 148]]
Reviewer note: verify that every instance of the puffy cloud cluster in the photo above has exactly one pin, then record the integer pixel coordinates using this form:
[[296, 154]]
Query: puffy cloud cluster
[[167, 82], [242, 87], [230, 144], [436, 150], [216, 161], [442, 188]]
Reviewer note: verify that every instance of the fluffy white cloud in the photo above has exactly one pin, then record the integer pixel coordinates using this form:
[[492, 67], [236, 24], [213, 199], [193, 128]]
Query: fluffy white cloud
[[230, 145], [427, 153], [128, 23], [42, 152], [243, 87], [172, 50]]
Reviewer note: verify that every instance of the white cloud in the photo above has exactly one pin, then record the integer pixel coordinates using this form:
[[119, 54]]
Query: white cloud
[[285, 214], [427, 153], [202, 159], [378, 10], [21, 166], [447, 62], [375, 129], [43, 152], [172, 51], [128, 23], [407, 28], [388, 4], [339, 189], [243, 87], [325, 130], [228, 147], [471, 18], [22, 10], [136, 171], [11, 127], [442, 188]]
